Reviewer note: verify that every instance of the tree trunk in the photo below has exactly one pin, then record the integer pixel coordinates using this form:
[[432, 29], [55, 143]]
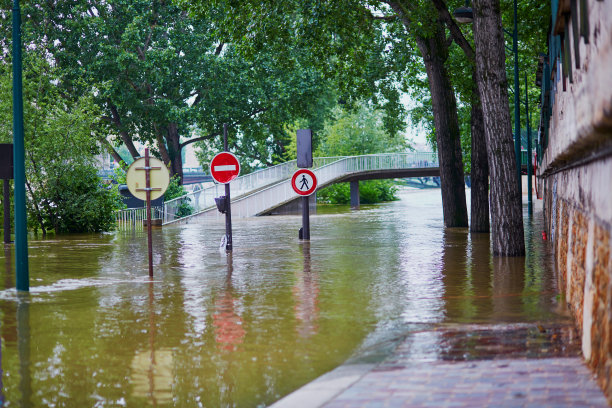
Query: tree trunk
[[111, 150], [174, 151], [123, 134], [479, 220], [435, 52], [505, 199]]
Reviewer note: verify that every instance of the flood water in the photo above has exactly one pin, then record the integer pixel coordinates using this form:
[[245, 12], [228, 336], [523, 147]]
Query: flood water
[[244, 330]]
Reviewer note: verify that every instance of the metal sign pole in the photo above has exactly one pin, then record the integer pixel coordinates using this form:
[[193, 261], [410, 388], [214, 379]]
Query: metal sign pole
[[7, 212], [149, 221], [155, 180], [228, 213], [305, 218], [304, 160], [21, 223]]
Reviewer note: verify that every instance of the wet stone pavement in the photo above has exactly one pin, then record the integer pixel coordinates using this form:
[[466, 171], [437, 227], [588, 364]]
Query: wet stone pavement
[[519, 365]]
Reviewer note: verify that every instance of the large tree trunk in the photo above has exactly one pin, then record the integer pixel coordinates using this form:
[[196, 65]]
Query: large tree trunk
[[435, 52], [479, 210], [505, 199], [174, 151]]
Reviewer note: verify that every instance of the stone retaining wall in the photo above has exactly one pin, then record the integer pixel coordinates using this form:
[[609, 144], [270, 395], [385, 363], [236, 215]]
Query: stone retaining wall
[[576, 180], [584, 265]]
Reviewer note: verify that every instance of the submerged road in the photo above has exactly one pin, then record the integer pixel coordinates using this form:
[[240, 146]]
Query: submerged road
[[465, 363], [384, 292], [480, 366]]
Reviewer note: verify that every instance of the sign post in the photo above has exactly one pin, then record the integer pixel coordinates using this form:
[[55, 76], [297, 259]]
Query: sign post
[[304, 183], [225, 167], [6, 173], [148, 185], [304, 160]]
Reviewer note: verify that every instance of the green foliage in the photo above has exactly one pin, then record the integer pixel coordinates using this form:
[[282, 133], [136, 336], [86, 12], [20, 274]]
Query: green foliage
[[119, 175], [166, 79], [363, 57], [370, 192], [374, 191], [339, 193], [175, 190], [357, 132], [61, 139], [77, 202]]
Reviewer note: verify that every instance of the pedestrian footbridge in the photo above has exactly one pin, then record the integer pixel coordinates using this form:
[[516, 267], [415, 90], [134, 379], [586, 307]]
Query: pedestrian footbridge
[[264, 190]]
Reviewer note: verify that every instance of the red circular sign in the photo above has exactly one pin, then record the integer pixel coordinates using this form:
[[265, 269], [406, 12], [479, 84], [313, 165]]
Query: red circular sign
[[224, 167], [304, 182]]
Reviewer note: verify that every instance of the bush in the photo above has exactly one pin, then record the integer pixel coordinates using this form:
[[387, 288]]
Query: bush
[[175, 190], [75, 201], [370, 192]]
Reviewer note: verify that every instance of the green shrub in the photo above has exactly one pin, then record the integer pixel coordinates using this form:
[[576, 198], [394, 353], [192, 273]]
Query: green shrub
[[175, 190], [76, 201], [370, 192]]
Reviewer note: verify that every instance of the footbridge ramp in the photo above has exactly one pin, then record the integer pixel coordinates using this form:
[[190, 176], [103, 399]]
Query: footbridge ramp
[[259, 192]]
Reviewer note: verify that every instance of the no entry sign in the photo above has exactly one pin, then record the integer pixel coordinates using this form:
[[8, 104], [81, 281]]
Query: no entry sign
[[304, 182], [224, 167]]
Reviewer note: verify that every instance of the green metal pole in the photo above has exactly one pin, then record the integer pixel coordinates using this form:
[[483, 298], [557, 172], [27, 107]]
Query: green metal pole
[[21, 231], [517, 108], [529, 155]]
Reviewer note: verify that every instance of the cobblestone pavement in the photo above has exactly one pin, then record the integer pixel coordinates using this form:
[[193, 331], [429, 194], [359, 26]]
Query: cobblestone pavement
[[465, 366]]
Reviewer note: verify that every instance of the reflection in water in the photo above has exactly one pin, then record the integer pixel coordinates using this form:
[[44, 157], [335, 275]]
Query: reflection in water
[[508, 286], [152, 375], [458, 282], [8, 325], [229, 331], [306, 292], [23, 336], [467, 275], [248, 328]]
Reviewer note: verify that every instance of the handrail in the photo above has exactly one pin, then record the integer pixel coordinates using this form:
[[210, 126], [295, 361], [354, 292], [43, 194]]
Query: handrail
[[196, 201], [272, 189]]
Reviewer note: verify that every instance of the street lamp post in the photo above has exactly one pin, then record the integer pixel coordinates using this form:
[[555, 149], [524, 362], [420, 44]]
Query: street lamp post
[[21, 231], [529, 164], [517, 108]]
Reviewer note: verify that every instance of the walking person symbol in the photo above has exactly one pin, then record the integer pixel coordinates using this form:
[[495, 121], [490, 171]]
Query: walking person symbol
[[304, 183]]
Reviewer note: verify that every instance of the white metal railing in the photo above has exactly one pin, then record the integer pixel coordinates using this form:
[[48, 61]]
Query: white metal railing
[[201, 200], [269, 194], [132, 218], [282, 192]]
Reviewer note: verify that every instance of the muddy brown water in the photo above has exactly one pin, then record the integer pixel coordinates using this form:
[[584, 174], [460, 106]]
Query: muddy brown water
[[244, 330]]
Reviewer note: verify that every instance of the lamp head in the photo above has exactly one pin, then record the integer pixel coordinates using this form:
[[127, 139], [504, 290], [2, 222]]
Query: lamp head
[[464, 15]]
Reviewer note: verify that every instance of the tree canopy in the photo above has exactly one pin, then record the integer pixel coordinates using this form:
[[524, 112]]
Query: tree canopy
[[64, 191], [165, 79]]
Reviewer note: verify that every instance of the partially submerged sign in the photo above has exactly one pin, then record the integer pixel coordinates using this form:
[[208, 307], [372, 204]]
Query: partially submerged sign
[[147, 179]]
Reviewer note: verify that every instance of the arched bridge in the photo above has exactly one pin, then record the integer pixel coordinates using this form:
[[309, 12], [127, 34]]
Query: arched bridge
[[260, 192]]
